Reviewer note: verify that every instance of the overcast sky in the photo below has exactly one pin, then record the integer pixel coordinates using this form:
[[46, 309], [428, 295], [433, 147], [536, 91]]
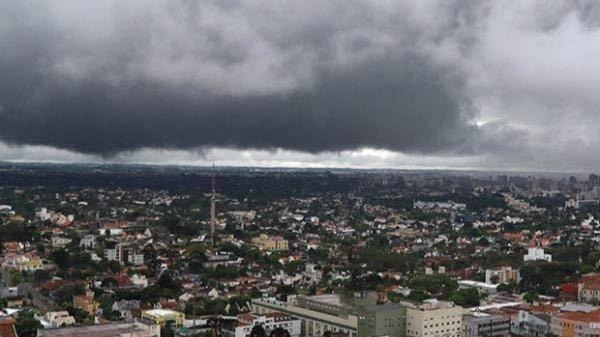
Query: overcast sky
[[395, 84]]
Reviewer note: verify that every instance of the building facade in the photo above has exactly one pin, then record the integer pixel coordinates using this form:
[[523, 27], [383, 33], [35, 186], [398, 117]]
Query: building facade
[[434, 319], [271, 321], [484, 325]]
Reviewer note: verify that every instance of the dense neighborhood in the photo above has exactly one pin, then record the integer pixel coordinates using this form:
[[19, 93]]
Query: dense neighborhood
[[253, 253]]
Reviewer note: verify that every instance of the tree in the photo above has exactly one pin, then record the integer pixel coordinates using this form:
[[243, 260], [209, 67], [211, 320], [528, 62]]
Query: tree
[[465, 297], [280, 332], [495, 279], [27, 325], [258, 331], [530, 297]]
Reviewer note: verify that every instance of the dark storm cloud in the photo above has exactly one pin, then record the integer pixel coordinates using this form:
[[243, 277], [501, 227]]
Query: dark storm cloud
[[186, 74]]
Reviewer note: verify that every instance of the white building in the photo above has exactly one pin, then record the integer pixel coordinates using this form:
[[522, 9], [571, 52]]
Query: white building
[[434, 318], [88, 242], [43, 214], [536, 253], [56, 319], [60, 241], [123, 253], [270, 322]]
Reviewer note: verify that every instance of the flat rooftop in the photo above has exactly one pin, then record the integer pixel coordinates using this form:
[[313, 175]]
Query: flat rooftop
[[105, 330]]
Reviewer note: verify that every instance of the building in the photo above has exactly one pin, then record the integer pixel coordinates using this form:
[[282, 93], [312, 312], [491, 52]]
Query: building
[[270, 243], [271, 321], [128, 309], [136, 329], [485, 325], [531, 324], [224, 259], [588, 288], [382, 320], [88, 242], [123, 253], [23, 262], [318, 314], [60, 241], [7, 327], [536, 253], [86, 302], [163, 317], [434, 319], [56, 319], [502, 275], [576, 324], [312, 273]]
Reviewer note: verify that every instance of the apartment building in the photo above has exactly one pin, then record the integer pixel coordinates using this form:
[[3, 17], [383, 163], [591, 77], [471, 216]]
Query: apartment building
[[433, 319], [123, 253], [502, 275]]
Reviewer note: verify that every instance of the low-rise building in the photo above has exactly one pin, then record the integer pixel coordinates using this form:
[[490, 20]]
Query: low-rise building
[[576, 324], [270, 243], [163, 317], [57, 319], [318, 314], [485, 325], [136, 329], [271, 321], [531, 324]]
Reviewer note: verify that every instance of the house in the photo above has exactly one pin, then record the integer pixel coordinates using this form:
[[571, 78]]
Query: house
[[127, 309], [55, 319], [88, 242], [7, 327], [86, 302]]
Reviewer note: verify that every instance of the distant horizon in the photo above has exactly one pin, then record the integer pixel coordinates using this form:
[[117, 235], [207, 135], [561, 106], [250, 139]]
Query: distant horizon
[[217, 167]]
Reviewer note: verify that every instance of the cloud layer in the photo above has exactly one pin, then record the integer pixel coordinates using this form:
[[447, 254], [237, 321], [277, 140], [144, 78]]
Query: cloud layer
[[475, 83]]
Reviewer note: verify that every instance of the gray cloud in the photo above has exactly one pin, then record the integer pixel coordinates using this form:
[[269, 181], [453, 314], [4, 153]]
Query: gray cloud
[[504, 83], [185, 74]]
